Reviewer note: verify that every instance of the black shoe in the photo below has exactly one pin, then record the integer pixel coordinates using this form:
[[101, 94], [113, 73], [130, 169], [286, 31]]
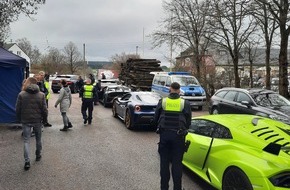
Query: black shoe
[[69, 125], [90, 122], [26, 166], [47, 125], [38, 158], [64, 128], [85, 121]]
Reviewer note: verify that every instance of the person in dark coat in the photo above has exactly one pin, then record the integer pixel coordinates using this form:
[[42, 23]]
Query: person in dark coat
[[31, 109], [172, 118], [80, 82]]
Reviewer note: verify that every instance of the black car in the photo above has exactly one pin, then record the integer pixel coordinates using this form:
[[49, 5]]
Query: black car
[[112, 91], [71, 81], [261, 102]]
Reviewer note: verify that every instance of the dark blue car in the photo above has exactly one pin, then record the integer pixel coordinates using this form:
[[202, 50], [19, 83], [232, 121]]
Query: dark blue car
[[136, 109]]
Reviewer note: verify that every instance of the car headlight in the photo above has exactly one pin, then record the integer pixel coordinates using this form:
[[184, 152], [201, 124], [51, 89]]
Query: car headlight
[[280, 118], [181, 93]]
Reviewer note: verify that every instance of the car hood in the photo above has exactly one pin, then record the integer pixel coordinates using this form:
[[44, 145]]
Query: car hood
[[283, 110]]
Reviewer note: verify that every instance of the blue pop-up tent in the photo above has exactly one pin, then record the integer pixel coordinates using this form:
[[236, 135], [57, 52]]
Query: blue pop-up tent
[[12, 68]]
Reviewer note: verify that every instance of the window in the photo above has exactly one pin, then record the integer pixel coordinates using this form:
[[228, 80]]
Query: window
[[243, 97], [221, 94], [230, 95], [162, 80], [156, 80], [209, 129], [126, 97], [168, 81]]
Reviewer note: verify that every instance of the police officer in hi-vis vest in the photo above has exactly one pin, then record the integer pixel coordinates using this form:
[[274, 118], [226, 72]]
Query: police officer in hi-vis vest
[[173, 118], [88, 93]]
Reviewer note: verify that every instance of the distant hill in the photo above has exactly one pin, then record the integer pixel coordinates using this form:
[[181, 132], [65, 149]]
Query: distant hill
[[99, 64]]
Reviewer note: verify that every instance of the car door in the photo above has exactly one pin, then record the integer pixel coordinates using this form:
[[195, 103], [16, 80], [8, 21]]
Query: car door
[[204, 136], [200, 140], [243, 104], [227, 104], [123, 102]]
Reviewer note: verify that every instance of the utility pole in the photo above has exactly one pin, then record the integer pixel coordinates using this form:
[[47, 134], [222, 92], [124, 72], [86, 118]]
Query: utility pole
[[84, 64], [137, 50], [143, 40]]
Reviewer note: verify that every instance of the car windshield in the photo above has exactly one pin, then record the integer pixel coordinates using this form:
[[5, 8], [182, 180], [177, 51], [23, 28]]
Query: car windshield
[[148, 98], [271, 100], [186, 80]]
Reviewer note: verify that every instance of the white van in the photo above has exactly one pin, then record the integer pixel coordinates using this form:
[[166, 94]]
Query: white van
[[190, 88]]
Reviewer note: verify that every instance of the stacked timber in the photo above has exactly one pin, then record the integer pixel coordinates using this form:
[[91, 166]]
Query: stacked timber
[[135, 73]]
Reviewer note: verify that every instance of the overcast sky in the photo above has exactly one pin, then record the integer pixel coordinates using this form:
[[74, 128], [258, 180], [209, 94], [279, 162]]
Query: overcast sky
[[106, 27]]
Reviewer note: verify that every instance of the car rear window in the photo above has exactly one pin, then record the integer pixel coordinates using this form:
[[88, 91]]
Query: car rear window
[[148, 98]]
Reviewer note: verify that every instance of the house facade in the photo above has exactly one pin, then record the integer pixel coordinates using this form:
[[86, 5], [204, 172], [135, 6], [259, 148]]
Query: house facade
[[14, 48]]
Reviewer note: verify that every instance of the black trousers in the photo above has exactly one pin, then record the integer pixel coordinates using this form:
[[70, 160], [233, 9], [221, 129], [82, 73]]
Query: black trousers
[[171, 149], [87, 105]]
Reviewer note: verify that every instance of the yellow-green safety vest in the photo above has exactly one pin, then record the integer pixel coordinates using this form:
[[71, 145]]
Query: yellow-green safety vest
[[46, 84], [173, 104], [88, 91]]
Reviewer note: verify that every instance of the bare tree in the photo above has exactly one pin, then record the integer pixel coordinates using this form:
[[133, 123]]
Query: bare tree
[[54, 61], [251, 46], [185, 26], [280, 10], [268, 26], [32, 52], [73, 57], [118, 59], [10, 11], [232, 24]]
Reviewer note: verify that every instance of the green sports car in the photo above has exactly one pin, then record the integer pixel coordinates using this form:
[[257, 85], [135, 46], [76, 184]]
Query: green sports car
[[231, 151]]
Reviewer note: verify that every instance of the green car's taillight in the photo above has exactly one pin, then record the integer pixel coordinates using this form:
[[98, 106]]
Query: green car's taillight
[[281, 180]]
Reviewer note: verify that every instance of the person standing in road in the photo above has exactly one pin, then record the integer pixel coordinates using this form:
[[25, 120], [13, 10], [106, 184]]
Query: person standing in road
[[87, 93], [46, 84], [31, 109], [172, 118], [80, 82], [65, 100], [43, 89]]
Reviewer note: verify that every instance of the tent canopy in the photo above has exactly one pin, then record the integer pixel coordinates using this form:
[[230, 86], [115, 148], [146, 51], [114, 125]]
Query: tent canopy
[[8, 59], [12, 69]]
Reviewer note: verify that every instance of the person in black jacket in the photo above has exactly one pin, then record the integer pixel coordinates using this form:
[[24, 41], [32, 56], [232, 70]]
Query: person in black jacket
[[172, 118], [30, 110]]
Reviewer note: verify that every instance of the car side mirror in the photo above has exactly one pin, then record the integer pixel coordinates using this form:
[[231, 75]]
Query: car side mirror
[[246, 103]]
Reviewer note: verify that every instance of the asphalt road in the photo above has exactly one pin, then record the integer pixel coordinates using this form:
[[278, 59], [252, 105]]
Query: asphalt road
[[101, 156]]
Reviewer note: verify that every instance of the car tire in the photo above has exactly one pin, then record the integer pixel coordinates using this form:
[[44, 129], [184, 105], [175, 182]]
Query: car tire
[[215, 111], [199, 108], [114, 110], [234, 178], [128, 120], [54, 91]]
